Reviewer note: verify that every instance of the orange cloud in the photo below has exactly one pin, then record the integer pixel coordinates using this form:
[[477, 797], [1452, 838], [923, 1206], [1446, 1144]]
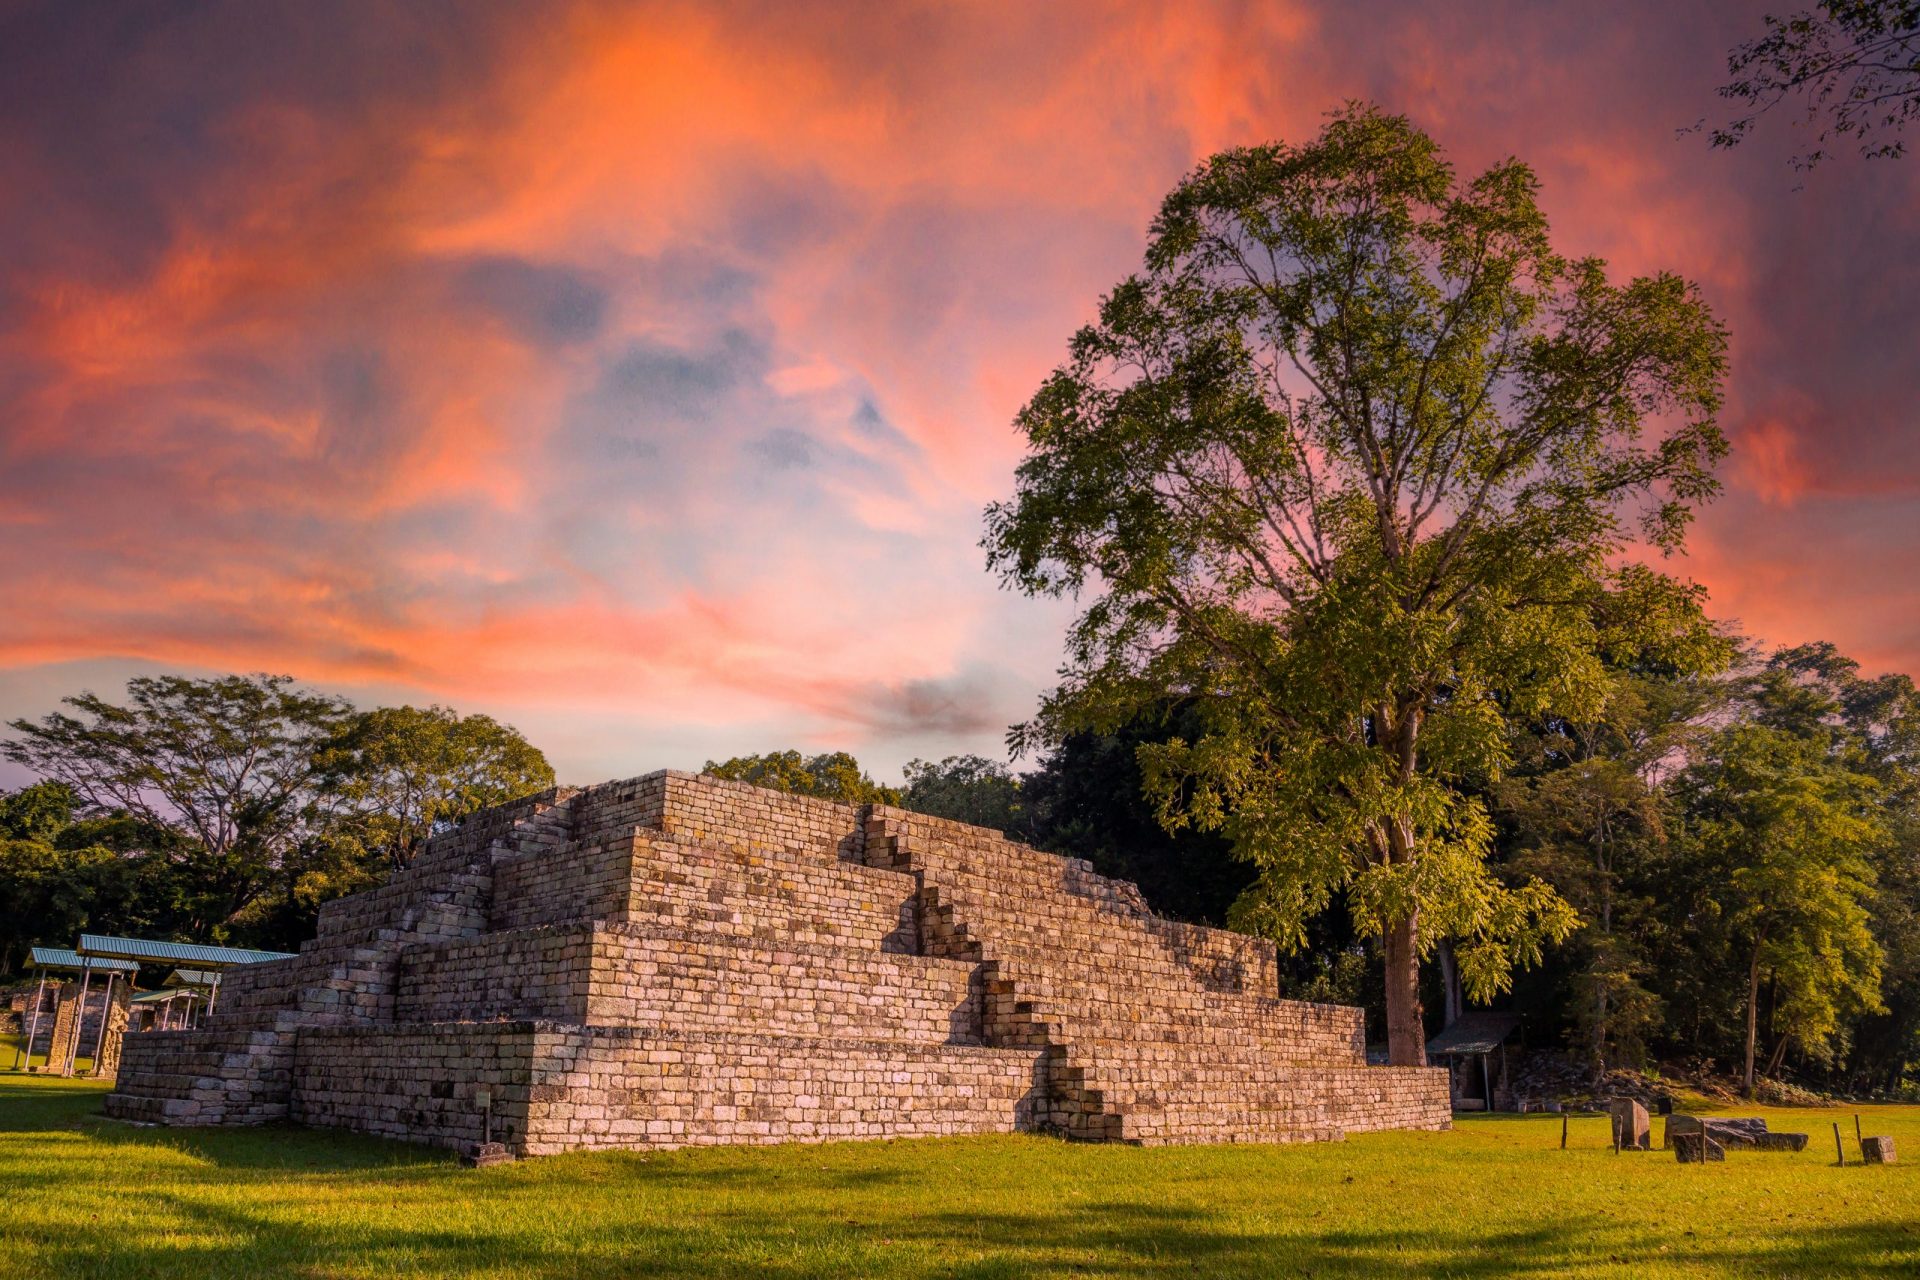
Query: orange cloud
[[653, 362]]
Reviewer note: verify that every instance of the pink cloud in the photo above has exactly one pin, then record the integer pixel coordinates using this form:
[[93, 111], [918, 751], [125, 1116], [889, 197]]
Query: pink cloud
[[653, 363]]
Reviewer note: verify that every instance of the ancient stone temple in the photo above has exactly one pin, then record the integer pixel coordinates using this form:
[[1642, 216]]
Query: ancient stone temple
[[675, 959]]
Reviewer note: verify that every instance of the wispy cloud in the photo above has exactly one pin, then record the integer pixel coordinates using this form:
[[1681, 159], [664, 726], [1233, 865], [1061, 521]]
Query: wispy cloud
[[642, 368]]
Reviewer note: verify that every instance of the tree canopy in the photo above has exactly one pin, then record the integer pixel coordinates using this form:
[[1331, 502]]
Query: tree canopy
[[1855, 64], [403, 773], [1355, 465], [231, 762], [833, 775], [231, 807]]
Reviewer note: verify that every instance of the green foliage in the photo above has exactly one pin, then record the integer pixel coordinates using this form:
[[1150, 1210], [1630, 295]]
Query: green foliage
[[1353, 465], [971, 789], [230, 809], [834, 775], [1581, 827], [1854, 63], [401, 774], [230, 761], [1793, 833], [1087, 799], [37, 812]]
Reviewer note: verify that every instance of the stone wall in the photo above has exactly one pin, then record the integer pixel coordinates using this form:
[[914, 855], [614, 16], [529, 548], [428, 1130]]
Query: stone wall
[[673, 960]]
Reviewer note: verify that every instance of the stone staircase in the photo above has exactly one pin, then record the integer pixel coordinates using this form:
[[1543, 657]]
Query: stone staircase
[[674, 960]]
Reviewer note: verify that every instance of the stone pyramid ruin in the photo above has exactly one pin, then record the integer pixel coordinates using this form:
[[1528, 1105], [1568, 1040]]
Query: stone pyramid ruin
[[674, 960]]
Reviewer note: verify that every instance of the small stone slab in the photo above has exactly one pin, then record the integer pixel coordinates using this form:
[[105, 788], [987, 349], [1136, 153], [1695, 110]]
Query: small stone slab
[[1632, 1131], [1694, 1148], [1732, 1131], [484, 1155], [1781, 1142], [1878, 1150]]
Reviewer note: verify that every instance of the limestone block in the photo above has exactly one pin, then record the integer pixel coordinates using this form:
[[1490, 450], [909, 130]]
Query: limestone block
[[1696, 1148], [1631, 1129]]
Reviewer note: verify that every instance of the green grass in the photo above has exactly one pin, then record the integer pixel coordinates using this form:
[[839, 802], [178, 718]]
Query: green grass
[[10, 1056], [84, 1196]]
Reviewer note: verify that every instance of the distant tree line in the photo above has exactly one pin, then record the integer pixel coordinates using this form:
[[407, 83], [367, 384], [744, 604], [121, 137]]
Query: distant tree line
[[228, 809]]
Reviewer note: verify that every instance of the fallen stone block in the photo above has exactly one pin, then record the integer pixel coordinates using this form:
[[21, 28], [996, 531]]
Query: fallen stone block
[[1781, 1142], [1733, 1131], [1695, 1148], [1878, 1150]]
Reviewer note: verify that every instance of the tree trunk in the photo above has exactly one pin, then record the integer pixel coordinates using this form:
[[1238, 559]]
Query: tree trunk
[[1753, 1013], [1777, 1057], [1406, 1031], [1450, 979]]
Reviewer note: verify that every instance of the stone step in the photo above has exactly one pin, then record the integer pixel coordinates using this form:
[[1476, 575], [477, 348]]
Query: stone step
[[1284, 1029], [652, 974], [1202, 1106], [772, 897], [655, 1088], [207, 1076], [555, 1087]]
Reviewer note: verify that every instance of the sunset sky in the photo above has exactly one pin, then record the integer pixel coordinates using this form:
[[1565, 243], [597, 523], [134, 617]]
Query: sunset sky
[[637, 373]]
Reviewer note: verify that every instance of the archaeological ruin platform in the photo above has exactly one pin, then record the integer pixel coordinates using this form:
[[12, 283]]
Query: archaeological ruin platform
[[676, 959]]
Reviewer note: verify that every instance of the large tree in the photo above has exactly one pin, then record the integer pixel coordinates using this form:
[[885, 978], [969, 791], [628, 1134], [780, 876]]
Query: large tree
[[1356, 464], [403, 773], [1792, 833], [1853, 64], [229, 761]]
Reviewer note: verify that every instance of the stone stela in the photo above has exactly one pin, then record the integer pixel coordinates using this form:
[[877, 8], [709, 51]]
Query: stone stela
[[676, 959]]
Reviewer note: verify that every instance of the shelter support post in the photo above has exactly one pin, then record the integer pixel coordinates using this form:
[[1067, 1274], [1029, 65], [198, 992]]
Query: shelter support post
[[33, 1026], [106, 1016], [79, 1021]]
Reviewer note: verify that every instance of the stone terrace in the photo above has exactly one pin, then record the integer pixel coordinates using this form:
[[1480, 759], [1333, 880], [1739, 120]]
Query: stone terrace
[[676, 959]]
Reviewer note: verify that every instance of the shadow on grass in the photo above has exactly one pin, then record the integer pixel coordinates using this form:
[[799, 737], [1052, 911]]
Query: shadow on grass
[[286, 1201], [1114, 1239]]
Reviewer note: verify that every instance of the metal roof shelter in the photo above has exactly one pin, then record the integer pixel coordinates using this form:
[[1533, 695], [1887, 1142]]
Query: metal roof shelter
[[55, 960], [146, 949], [208, 962], [191, 978], [1474, 1033], [163, 1002], [1478, 1034], [63, 961]]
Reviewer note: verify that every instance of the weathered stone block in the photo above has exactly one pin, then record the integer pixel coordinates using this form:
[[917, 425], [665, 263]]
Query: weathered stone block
[[1878, 1150], [1696, 1148], [1631, 1129]]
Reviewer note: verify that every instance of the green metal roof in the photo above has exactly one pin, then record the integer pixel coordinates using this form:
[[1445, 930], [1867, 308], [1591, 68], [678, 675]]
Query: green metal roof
[[93, 944], [1478, 1031], [192, 978], [56, 958], [155, 997]]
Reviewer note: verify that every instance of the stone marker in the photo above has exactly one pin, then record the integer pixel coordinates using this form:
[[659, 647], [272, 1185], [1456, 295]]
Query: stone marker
[[1781, 1142], [486, 1154], [1693, 1148], [1877, 1150], [1632, 1131]]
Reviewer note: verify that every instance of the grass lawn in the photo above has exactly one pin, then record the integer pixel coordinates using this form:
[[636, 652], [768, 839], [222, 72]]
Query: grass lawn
[[84, 1196]]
